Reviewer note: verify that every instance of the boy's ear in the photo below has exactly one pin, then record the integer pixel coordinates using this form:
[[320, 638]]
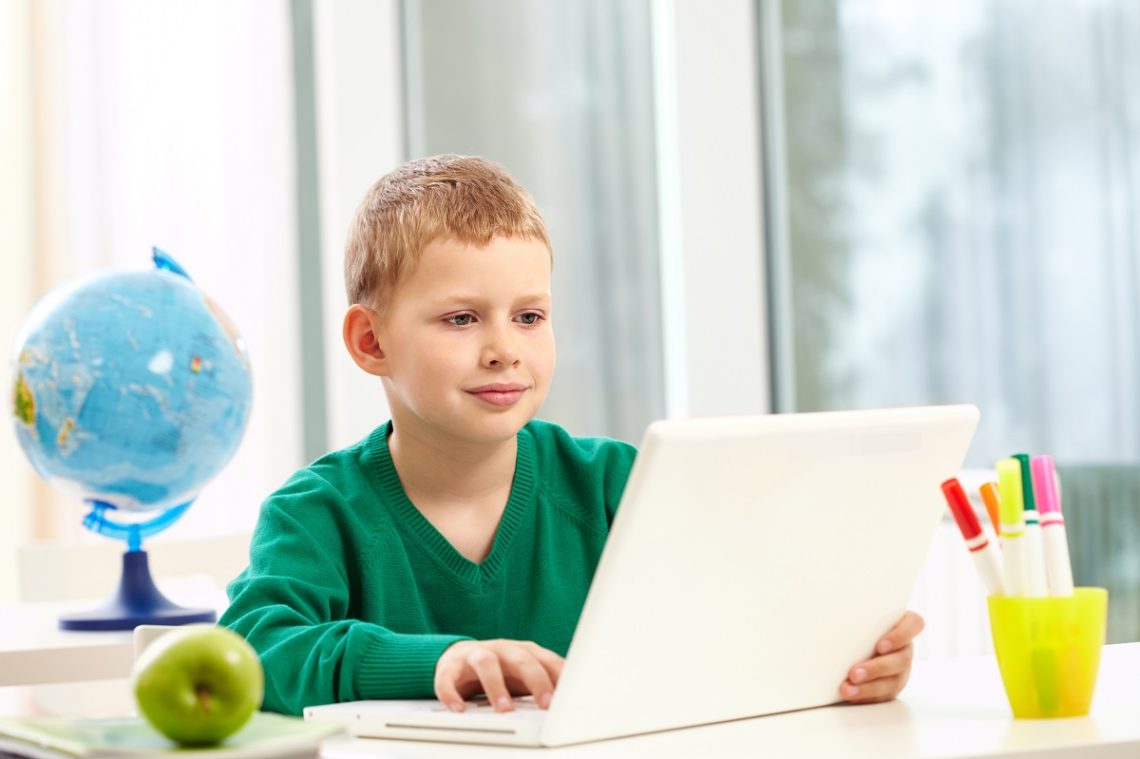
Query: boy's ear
[[362, 341]]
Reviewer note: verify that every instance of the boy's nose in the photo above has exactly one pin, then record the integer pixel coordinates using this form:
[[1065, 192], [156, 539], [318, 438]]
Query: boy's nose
[[500, 352]]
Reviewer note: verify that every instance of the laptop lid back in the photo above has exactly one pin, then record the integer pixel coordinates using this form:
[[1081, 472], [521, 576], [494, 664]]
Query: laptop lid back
[[752, 561]]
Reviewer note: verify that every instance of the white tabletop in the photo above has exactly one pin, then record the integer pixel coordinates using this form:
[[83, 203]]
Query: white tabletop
[[952, 708], [33, 650]]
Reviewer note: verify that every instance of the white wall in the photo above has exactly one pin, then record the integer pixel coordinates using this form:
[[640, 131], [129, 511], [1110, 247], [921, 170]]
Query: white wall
[[360, 138], [710, 203]]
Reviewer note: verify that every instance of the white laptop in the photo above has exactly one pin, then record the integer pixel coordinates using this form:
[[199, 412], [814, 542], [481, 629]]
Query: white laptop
[[752, 561]]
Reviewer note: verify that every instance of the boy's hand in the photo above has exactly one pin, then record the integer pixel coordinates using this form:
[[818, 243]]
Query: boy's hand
[[883, 676], [499, 668]]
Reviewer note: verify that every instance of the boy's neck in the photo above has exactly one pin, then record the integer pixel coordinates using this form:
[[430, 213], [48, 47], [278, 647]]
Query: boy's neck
[[451, 470]]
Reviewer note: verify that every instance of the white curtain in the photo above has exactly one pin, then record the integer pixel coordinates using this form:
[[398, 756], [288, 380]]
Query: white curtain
[[16, 281], [164, 124]]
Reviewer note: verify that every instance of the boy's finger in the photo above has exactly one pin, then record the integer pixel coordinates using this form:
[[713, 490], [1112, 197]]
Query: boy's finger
[[901, 634], [882, 666], [486, 665], [883, 689], [551, 661], [447, 693], [525, 667]]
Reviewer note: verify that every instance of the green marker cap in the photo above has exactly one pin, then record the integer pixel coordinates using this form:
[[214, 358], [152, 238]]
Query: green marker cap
[[1029, 503]]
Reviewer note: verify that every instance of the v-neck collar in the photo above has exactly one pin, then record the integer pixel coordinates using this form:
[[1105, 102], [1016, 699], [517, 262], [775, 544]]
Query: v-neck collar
[[431, 539]]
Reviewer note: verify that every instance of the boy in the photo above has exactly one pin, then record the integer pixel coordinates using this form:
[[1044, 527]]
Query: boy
[[449, 552]]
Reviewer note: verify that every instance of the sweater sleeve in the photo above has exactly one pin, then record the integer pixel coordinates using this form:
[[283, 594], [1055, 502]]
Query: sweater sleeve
[[293, 605], [619, 458]]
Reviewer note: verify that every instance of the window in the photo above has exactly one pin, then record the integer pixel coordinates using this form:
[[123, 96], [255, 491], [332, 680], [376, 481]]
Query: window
[[955, 196], [561, 94]]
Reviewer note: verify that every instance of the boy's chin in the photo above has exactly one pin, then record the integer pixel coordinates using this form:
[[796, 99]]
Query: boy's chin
[[496, 428]]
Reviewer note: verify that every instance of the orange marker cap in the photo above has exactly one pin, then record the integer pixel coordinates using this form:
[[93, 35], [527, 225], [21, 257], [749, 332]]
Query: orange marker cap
[[993, 505]]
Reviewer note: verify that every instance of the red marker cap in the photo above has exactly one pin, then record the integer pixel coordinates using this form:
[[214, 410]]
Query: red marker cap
[[961, 509]]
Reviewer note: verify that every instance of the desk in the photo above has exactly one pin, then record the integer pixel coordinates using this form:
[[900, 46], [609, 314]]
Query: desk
[[953, 708], [34, 651]]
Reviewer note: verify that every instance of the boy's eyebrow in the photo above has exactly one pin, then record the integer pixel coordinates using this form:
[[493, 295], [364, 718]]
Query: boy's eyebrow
[[464, 299]]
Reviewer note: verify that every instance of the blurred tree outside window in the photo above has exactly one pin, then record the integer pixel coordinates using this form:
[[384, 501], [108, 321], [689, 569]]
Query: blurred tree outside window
[[959, 198]]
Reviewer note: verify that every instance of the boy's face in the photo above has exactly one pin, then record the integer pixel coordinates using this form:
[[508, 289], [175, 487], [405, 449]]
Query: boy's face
[[467, 341]]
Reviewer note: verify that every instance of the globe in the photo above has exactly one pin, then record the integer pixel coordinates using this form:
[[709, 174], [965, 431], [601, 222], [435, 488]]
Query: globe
[[131, 391]]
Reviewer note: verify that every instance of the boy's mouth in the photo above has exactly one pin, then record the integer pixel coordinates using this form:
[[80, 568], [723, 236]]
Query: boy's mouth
[[499, 393]]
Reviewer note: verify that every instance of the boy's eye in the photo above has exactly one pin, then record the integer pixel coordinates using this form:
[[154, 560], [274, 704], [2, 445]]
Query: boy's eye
[[530, 317], [460, 320]]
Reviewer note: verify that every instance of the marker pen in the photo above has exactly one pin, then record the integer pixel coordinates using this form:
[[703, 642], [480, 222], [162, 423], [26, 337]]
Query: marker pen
[[1012, 526], [990, 498], [1043, 659], [1057, 565], [1036, 579], [982, 549]]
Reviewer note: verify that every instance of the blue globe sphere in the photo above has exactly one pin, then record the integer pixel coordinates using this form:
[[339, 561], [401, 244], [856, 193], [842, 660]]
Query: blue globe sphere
[[131, 389]]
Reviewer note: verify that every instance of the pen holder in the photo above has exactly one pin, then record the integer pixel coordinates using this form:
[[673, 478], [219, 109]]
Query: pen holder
[[1048, 650]]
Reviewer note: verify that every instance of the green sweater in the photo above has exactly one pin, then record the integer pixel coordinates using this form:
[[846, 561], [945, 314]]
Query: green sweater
[[352, 594]]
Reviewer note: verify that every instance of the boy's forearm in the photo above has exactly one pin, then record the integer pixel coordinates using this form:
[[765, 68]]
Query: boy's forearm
[[308, 663]]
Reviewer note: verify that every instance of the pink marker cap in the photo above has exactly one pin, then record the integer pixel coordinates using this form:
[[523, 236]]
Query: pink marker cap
[[1044, 484]]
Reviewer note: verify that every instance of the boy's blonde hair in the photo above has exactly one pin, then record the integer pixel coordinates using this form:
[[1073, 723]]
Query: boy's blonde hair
[[465, 198]]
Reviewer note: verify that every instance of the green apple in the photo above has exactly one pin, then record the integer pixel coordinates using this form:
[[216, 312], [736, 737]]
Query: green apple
[[198, 684]]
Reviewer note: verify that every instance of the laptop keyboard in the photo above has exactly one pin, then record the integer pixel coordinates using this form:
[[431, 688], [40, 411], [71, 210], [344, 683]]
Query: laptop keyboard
[[481, 705]]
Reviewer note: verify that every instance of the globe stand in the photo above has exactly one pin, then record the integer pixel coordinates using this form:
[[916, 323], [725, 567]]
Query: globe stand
[[138, 601]]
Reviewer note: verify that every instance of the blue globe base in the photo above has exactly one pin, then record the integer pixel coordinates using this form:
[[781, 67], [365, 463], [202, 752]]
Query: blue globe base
[[137, 602]]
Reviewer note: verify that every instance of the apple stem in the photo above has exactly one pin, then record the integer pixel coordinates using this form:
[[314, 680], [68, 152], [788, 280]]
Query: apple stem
[[204, 698]]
